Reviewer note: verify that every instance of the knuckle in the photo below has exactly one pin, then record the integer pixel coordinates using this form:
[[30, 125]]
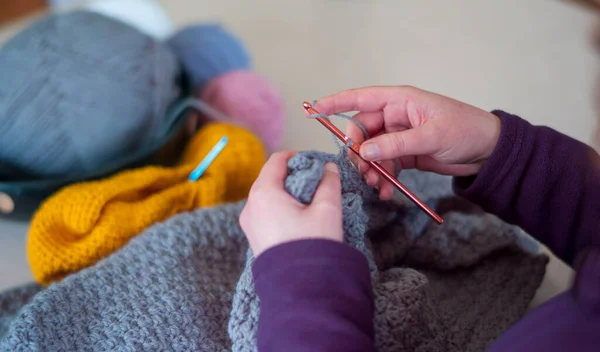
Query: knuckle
[[278, 156], [396, 142], [408, 89], [258, 197], [275, 156], [363, 167], [354, 132]]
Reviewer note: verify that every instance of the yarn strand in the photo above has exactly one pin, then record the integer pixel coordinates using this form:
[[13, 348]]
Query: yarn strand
[[343, 148]]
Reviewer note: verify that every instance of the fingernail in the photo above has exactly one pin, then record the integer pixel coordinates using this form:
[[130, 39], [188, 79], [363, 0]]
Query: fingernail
[[332, 167], [369, 151]]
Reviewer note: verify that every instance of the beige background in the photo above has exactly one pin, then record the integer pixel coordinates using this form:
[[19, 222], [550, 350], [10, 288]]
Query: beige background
[[535, 58]]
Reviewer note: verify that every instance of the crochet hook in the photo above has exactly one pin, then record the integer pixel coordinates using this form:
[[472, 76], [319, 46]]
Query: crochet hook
[[383, 172], [208, 159]]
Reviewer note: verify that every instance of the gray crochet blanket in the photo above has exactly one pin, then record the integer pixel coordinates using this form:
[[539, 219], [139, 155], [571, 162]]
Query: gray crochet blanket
[[186, 284]]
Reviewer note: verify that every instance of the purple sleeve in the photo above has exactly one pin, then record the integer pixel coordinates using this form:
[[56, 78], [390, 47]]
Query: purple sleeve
[[543, 181], [315, 295], [548, 184]]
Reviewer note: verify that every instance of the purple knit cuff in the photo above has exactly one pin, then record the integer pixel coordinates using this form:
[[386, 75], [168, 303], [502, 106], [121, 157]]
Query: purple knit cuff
[[480, 187], [328, 252]]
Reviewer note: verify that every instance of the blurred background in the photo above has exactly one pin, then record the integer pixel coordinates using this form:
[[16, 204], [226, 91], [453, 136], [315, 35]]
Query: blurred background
[[535, 58]]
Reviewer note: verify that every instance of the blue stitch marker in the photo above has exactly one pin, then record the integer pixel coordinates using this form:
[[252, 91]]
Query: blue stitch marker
[[208, 159]]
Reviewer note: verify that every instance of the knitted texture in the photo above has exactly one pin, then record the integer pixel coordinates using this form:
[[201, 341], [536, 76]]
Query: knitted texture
[[250, 101], [80, 91], [11, 302], [453, 287], [177, 286], [85, 222], [208, 51]]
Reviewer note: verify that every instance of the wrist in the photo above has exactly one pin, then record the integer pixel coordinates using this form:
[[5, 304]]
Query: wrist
[[260, 248], [297, 252], [492, 169], [492, 135]]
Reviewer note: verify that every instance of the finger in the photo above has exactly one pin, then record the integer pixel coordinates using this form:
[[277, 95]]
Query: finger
[[357, 139], [416, 141], [367, 99], [373, 123], [407, 162], [373, 178], [427, 163], [360, 165], [386, 188], [274, 171], [329, 191], [386, 191]]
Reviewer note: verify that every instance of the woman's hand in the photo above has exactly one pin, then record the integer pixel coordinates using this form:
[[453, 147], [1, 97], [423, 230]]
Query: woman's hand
[[272, 216], [417, 128]]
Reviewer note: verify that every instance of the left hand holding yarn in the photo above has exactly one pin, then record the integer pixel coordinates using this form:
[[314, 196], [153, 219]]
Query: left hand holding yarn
[[272, 216]]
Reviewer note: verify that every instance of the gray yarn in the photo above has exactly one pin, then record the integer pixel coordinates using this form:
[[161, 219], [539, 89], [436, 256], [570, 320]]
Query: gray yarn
[[79, 91], [12, 300], [454, 287], [186, 284], [169, 289]]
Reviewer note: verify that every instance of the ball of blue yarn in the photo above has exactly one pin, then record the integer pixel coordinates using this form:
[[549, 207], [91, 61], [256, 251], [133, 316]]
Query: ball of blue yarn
[[80, 91], [208, 51]]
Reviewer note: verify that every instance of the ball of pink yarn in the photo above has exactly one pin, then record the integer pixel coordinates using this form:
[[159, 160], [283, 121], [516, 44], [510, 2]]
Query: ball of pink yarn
[[251, 101]]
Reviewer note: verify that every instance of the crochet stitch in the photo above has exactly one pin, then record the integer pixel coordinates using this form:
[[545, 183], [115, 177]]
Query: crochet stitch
[[85, 222], [11, 302], [177, 286], [424, 275]]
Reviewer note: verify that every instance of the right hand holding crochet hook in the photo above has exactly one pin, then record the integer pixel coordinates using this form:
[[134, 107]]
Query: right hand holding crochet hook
[[419, 129]]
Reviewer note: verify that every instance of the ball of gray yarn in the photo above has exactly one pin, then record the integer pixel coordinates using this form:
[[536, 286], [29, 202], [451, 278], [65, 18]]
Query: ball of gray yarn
[[80, 91]]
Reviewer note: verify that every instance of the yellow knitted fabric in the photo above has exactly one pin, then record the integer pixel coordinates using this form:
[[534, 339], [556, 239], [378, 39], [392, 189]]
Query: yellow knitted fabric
[[86, 222]]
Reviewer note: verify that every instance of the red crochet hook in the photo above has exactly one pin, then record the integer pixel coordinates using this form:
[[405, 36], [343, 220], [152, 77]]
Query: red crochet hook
[[383, 172]]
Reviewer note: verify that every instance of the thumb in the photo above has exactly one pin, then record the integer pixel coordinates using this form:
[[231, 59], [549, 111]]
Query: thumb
[[414, 141], [329, 191]]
